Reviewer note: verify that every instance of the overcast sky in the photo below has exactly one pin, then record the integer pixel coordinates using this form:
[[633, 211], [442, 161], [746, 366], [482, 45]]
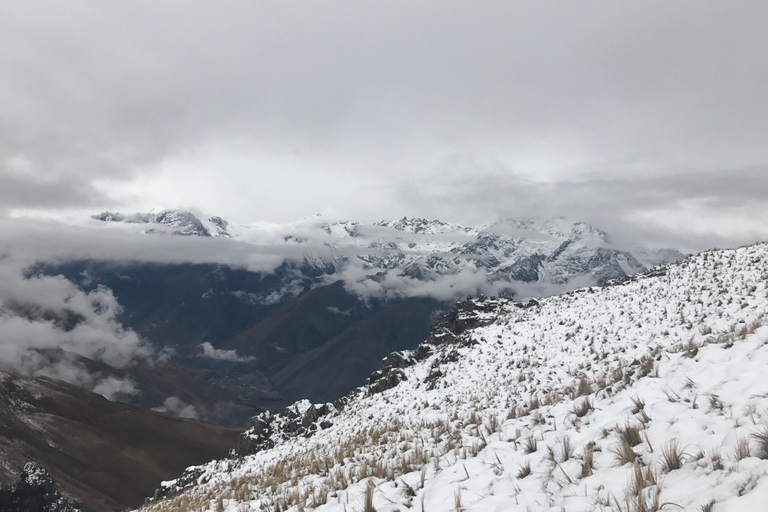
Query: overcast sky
[[645, 118]]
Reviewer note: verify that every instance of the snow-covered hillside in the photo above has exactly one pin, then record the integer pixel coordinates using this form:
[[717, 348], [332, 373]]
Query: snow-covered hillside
[[646, 394]]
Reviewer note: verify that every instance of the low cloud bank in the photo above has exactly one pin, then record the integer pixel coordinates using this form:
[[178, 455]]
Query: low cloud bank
[[395, 285], [49, 327], [223, 355], [178, 407]]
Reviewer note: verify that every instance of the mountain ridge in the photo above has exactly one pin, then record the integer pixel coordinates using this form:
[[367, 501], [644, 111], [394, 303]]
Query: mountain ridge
[[550, 250]]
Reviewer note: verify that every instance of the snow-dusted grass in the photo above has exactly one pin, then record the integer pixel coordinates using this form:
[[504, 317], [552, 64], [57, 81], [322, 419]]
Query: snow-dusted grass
[[648, 395]]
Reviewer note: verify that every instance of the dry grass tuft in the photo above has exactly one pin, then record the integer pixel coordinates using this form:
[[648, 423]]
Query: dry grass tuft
[[530, 445], [643, 477], [525, 470], [583, 388], [742, 450], [630, 434], [566, 449], [637, 405], [368, 501], [588, 466], [717, 461], [762, 442], [672, 456], [582, 409], [457, 505], [624, 453]]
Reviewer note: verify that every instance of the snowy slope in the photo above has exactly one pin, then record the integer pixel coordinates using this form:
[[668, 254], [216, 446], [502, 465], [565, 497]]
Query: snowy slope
[[646, 394]]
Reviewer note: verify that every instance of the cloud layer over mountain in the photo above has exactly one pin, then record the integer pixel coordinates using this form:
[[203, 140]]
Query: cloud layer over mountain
[[611, 113]]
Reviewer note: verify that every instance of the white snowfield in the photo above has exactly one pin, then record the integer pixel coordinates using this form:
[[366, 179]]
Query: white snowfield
[[651, 394]]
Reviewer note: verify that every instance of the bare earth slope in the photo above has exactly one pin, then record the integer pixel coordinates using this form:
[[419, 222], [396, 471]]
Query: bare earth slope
[[106, 454]]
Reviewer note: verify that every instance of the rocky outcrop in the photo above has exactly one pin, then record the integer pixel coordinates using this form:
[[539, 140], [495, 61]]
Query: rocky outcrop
[[35, 491], [468, 314], [299, 419]]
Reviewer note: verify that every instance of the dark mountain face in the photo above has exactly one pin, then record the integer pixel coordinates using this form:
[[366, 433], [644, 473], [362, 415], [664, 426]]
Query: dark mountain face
[[105, 454], [180, 304], [273, 338], [300, 325], [157, 382], [331, 370]]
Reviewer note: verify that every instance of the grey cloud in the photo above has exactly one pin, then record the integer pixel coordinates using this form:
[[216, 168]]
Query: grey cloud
[[613, 203], [178, 407], [451, 287], [223, 355], [18, 191], [29, 240], [48, 325], [342, 103]]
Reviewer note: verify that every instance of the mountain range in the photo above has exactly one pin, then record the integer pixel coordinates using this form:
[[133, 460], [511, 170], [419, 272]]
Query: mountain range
[[344, 296], [615, 395], [552, 251]]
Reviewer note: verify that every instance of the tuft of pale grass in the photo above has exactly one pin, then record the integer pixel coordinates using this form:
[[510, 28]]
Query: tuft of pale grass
[[672, 456], [525, 470], [582, 408], [624, 453], [742, 450], [761, 437], [530, 445]]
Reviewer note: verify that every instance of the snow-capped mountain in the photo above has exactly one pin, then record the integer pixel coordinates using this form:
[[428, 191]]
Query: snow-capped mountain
[[547, 251], [646, 394], [176, 222]]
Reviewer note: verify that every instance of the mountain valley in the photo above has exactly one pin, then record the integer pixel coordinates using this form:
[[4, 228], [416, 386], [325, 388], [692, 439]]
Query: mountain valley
[[351, 295]]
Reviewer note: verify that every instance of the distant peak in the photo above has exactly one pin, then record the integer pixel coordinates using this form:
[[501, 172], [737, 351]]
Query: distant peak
[[420, 225], [181, 222]]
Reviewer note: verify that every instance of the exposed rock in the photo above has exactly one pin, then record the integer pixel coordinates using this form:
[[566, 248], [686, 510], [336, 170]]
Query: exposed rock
[[466, 315], [35, 491], [299, 419]]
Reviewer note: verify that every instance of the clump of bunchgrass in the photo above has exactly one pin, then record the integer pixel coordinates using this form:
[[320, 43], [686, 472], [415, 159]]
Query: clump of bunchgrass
[[672, 456]]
